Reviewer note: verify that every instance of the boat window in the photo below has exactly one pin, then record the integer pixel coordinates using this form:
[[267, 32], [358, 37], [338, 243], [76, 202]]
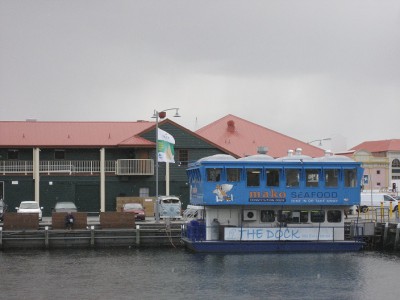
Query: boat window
[[272, 177], [194, 175], [334, 216], [253, 177], [312, 177], [301, 215], [317, 216], [285, 216], [350, 177], [292, 177], [267, 216], [233, 175], [214, 174], [295, 216], [331, 177]]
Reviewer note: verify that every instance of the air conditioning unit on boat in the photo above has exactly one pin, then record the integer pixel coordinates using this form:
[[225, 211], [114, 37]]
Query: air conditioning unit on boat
[[249, 215]]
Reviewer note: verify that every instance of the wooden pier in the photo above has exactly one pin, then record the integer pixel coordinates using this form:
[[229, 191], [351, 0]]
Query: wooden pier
[[115, 229], [109, 230], [379, 228]]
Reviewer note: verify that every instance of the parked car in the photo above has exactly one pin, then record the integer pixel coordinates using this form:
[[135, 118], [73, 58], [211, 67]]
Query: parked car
[[65, 207], [30, 207], [3, 208], [135, 208], [375, 200], [169, 207]]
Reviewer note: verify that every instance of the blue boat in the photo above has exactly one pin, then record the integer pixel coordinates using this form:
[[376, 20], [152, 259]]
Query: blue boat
[[263, 204]]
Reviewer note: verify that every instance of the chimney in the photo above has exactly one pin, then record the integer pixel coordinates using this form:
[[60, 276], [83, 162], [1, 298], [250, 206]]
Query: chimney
[[262, 150], [298, 151], [231, 126], [290, 152]]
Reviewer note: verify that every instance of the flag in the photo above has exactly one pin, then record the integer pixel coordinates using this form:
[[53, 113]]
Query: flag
[[165, 143]]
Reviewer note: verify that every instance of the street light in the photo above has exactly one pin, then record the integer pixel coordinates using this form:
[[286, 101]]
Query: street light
[[160, 115], [320, 141]]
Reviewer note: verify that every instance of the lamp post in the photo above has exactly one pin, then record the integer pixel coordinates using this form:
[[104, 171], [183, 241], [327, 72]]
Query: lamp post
[[160, 115], [320, 141]]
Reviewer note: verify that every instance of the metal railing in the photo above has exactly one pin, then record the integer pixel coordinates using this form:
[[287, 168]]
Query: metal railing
[[134, 167], [379, 214], [118, 167]]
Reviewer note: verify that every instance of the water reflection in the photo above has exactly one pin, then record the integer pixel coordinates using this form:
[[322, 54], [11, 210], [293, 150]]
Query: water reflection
[[177, 274]]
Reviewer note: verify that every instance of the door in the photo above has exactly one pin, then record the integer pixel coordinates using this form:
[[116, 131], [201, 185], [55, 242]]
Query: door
[[87, 198]]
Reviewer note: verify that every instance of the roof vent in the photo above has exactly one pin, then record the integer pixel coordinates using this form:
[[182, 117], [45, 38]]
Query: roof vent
[[262, 150], [231, 126], [298, 151], [328, 153], [290, 152]]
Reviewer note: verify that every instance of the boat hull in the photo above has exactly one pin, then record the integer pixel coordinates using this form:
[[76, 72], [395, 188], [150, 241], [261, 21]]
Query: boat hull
[[271, 246]]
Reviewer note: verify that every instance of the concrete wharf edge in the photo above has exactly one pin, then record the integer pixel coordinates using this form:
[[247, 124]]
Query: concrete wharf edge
[[143, 234], [386, 236]]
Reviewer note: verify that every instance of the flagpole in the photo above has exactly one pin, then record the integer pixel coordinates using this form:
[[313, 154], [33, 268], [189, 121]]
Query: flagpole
[[167, 179], [156, 208], [157, 115]]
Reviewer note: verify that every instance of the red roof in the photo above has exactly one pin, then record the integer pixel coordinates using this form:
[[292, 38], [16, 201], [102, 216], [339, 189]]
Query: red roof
[[242, 138], [73, 134], [379, 146]]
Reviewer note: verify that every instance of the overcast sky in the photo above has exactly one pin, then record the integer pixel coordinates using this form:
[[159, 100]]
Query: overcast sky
[[308, 69]]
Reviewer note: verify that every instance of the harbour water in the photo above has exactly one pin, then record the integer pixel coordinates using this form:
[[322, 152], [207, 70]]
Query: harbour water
[[171, 273]]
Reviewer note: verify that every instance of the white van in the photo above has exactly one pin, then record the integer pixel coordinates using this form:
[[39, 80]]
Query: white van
[[169, 207], [375, 200]]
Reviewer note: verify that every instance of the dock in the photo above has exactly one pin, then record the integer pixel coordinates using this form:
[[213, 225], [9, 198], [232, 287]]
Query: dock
[[378, 228], [378, 233], [147, 233]]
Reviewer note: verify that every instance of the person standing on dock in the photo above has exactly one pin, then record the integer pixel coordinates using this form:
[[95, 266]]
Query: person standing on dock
[[69, 221]]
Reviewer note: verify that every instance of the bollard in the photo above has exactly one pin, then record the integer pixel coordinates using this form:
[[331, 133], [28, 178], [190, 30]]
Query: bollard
[[1, 237], [382, 212], [397, 215], [46, 237], [137, 234], [385, 234], [390, 210], [397, 238], [92, 236]]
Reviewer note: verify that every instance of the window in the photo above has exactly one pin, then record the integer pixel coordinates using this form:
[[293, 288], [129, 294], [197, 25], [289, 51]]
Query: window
[[267, 216], [233, 175], [317, 216], [350, 177], [312, 177], [396, 163], [300, 216], [59, 154], [334, 216], [12, 154], [292, 177], [331, 177], [272, 177], [253, 177], [295, 216], [183, 157], [378, 172], [213, 174], [144, 192], [285, 216], [395, 169]]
